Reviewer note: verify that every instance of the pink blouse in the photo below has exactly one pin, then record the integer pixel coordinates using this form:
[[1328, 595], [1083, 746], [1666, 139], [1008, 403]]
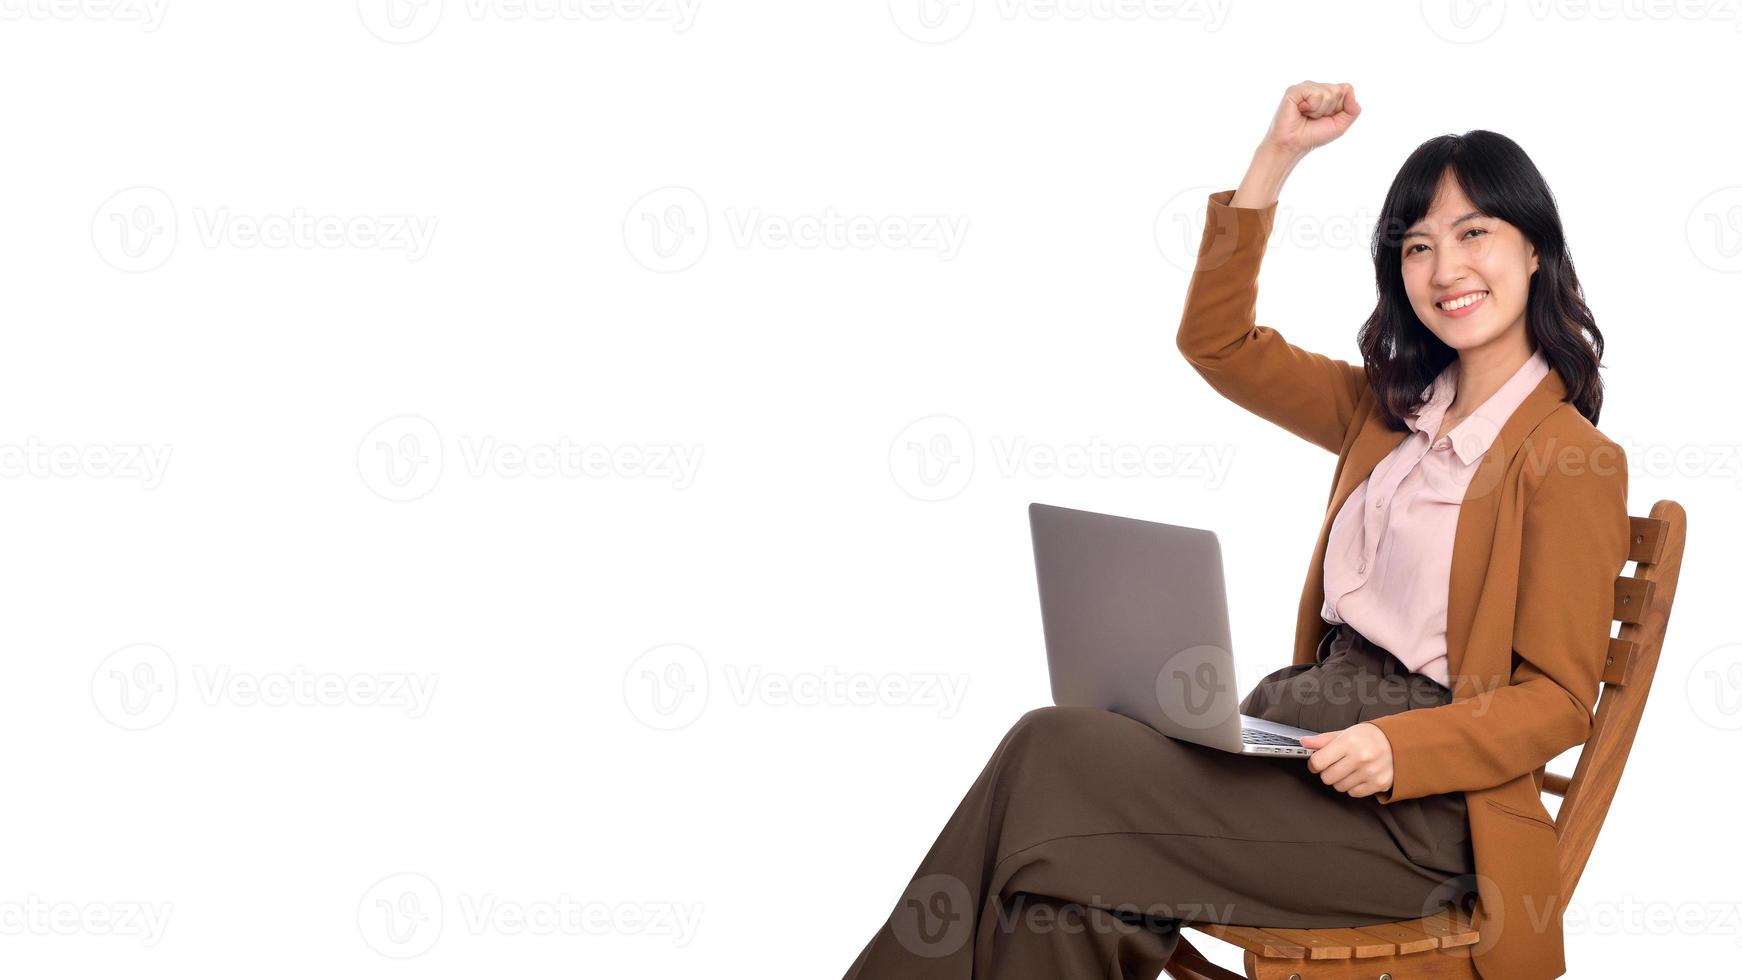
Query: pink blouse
[[1388, 561]]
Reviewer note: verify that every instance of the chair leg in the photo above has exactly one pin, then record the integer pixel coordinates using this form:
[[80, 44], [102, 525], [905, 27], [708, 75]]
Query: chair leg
[[1189, 964]]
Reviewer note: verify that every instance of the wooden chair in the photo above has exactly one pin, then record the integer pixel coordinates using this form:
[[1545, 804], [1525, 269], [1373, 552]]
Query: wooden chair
[[1411, 948]]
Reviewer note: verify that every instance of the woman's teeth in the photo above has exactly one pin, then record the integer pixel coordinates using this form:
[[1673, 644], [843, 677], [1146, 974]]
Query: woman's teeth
[[1462, 301]]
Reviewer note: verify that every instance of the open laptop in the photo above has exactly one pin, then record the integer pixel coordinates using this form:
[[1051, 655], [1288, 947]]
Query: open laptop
[[1136, 621]]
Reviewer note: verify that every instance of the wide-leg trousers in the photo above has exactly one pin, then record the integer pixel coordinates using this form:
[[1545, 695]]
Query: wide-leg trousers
[[1089, 837]]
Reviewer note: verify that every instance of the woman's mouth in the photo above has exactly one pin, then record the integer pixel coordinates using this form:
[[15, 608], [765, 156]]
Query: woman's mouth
[[1463, 305]]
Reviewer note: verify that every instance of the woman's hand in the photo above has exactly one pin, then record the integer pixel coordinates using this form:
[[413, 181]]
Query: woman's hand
[[1311, 115], [1354, 760]]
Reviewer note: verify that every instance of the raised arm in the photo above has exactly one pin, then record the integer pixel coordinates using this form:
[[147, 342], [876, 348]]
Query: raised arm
[[1309, 394]]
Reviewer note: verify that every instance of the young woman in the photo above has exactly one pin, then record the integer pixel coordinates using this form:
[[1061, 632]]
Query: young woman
[[1450, 637]]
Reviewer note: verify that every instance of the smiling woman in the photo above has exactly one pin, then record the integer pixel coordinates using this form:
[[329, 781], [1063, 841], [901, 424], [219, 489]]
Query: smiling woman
[[1449, 638], [1469, 245]]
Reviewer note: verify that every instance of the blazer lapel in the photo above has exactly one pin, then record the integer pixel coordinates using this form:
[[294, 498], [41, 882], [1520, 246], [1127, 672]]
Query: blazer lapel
[[1473, 540]]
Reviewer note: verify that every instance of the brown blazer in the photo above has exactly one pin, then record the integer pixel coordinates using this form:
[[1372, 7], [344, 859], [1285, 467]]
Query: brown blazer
[[1541, 536]]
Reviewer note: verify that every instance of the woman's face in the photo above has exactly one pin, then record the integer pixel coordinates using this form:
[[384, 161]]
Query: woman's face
[[1455, 256]]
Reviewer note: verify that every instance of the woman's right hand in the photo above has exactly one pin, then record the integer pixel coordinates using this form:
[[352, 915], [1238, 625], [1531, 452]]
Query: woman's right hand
[[1311, 115]]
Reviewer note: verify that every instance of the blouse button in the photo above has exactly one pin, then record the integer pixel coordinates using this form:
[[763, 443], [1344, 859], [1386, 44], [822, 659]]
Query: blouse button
[[1361, 569], [1379, 503]]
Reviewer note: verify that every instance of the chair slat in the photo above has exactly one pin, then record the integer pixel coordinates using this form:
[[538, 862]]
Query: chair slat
[[1452, 928], [1646, 544], [1554, 782], [1406, 940], [1632, 597], [1250, 938], [1318, 942], [1619, 661]]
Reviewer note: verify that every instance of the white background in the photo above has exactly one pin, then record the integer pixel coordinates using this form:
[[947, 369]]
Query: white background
[[302, 297]]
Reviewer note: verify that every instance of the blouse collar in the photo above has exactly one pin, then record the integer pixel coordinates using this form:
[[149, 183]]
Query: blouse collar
[[1472, 437]]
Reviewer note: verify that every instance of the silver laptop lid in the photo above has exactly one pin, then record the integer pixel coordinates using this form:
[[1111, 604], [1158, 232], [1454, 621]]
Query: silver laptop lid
[[1136, 621]]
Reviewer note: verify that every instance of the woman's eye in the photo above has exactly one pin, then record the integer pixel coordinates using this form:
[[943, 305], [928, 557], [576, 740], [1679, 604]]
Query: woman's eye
[[1410, 250]]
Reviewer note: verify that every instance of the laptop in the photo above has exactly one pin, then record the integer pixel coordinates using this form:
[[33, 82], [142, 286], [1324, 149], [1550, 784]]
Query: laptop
[[1136, 621]]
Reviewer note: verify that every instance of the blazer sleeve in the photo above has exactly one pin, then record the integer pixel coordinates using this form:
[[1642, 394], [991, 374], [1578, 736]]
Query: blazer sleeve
[[1574, 544], [1309, 394]]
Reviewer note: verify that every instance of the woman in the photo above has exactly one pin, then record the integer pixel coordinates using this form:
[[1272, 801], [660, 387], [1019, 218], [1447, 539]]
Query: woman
[[1450, 638]]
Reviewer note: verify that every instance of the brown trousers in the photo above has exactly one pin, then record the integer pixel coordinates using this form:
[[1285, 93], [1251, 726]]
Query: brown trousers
[[1089, 837]]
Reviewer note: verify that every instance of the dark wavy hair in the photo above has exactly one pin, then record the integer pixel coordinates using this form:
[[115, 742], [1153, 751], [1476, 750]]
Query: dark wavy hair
[[1402, 355]]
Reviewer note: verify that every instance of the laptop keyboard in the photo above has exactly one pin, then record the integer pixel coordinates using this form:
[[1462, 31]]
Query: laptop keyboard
[[1252, 736]]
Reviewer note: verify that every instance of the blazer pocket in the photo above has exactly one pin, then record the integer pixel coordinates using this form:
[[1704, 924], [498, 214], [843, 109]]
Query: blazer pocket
[[1534, 818]]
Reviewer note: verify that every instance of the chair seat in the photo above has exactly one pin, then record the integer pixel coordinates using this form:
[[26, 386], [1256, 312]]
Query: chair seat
[[1442, 930]]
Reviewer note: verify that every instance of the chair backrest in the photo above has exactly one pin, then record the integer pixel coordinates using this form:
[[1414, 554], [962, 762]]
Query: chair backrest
[[1642, 605]]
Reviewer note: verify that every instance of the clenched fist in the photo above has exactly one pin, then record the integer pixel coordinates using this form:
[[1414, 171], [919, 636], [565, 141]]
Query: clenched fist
[[1311, 115]]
